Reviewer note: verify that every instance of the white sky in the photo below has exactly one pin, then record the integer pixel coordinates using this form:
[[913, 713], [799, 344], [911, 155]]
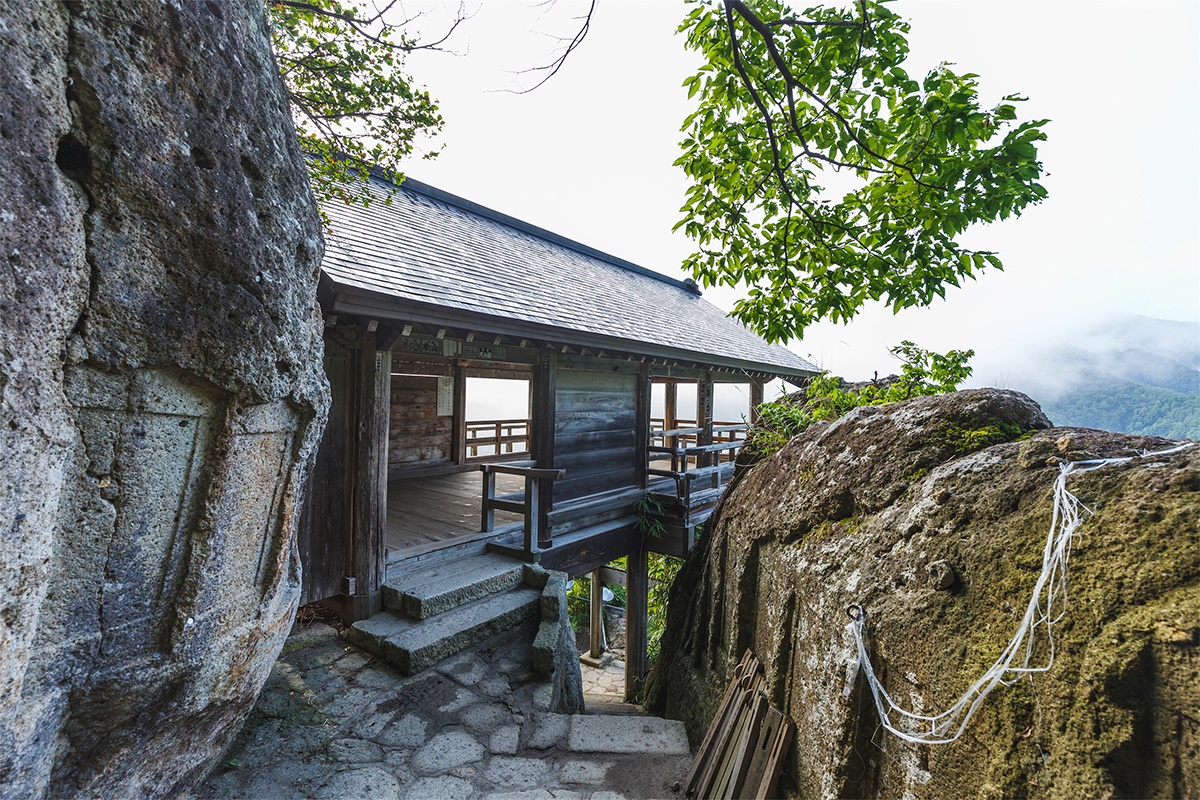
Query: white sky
[[589, 155]]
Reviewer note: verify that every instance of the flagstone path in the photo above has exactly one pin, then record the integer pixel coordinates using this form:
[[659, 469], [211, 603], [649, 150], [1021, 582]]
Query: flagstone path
[[604, 684], [334, 723]]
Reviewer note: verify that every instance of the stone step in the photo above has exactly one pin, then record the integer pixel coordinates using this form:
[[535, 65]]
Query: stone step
[[412, 646], [438, 589], [627, 734]]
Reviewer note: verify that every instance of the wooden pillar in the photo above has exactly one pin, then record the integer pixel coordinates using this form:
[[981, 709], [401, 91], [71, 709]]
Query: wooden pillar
[[637, 587], [642, 427], [704, 420], [458, 433], [596, 618], [545, 380], [756, 399], [370, 479], [670, 413], [488, 520]]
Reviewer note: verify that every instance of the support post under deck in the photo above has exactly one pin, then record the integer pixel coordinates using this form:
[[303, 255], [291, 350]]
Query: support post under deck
[[637, 587], [596, 620]]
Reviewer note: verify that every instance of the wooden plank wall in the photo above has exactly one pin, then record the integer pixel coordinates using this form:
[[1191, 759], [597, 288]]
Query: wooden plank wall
[[595, 432], [323, 534], [417, 435]]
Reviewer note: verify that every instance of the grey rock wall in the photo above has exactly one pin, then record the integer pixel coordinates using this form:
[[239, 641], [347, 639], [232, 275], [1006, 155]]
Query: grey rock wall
[[160, 387]]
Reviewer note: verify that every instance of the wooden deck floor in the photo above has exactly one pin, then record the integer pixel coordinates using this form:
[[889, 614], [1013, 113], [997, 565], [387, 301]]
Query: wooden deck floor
[[423, 511]]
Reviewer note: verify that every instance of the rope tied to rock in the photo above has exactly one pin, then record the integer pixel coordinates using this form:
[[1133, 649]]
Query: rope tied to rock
[[1049, 593]]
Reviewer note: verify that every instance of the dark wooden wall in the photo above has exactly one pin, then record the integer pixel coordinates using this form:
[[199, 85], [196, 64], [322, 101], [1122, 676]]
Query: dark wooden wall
[[417, 435], [324, 530], [595, 432]]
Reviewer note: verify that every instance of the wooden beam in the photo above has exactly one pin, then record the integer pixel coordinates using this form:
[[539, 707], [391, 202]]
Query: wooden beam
[[637, 575], [577, 554], [388, 338], [372, 409], [596, 364]]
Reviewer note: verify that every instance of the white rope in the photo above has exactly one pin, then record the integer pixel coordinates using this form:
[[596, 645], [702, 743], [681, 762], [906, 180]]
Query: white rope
[[1049, 593]]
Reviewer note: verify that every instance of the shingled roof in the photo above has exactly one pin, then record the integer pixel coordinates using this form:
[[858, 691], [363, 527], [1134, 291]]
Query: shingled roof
[[431, 257]]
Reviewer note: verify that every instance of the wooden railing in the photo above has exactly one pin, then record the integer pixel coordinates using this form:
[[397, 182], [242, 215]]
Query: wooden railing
[[687, 434], [698, 483], [537, 483], [503, 434]]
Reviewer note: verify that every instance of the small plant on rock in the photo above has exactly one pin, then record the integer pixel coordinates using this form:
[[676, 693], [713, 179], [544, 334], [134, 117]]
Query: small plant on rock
[[826, 397]]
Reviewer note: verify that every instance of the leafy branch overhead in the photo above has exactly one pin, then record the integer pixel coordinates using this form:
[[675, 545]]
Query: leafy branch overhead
[[344, 72], [823, 176]]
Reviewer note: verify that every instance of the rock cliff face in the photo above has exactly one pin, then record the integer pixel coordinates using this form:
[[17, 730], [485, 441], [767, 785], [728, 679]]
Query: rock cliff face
[[160, 387], [903, 510]]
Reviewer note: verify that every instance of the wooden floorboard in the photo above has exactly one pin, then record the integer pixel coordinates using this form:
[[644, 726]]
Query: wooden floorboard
[[441, 508]]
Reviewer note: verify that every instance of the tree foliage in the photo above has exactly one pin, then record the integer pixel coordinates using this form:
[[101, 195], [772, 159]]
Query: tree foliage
[[352, 101], [826, 397], [790, 110]]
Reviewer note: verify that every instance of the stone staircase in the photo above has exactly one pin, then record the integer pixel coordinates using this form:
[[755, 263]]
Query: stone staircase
[[439, 611]]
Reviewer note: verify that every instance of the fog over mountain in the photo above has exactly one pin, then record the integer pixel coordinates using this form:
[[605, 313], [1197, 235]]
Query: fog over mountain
[[1130, 374]]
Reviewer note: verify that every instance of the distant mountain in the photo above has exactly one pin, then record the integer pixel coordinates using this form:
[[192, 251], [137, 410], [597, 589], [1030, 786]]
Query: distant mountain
[[1132, 375], [1128, 407]]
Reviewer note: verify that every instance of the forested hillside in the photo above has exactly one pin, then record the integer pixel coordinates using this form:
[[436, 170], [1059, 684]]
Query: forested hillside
[[1128, 407], [1138, 375]]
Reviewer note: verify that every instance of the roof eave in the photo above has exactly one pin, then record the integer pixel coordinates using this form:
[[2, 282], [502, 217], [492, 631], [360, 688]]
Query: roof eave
[[355, 300]]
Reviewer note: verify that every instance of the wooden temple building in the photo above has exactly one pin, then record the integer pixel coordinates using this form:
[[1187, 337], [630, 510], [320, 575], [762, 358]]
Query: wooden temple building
[[426, 292]]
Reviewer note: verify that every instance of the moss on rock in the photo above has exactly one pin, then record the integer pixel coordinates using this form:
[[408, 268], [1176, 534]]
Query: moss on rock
[[855, 512]]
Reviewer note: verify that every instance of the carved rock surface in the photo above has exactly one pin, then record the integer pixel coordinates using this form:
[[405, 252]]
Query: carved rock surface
[[160, 387], [855, 511]]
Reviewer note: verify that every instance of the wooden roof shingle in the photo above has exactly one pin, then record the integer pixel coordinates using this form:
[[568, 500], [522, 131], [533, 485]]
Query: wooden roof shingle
[[428, 255]]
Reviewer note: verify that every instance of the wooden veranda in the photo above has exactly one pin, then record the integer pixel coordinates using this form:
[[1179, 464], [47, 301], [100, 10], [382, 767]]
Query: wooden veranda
[[427, 291]]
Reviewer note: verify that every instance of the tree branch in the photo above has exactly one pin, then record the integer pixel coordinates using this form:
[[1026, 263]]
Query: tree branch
[[555, 65]]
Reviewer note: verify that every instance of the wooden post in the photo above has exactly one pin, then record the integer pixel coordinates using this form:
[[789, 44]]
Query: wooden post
[[545, 380], [533, 533], [704, 420], [756, 399], [670, 401], [637, 587], [642, 439], [370, 479], [596, 620], [489, 493], [458, 433]]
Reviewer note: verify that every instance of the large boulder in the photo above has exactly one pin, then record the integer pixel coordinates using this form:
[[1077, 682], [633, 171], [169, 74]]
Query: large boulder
[[160, 387], [933, 514]]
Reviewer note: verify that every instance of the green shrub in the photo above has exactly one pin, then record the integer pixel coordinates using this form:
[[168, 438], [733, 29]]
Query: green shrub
[[825, 398]]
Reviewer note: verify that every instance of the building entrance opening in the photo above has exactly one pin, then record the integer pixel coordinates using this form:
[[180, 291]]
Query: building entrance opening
[[441, 427]]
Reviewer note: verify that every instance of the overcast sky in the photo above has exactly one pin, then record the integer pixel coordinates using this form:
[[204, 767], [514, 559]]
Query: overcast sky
[[589, 155]]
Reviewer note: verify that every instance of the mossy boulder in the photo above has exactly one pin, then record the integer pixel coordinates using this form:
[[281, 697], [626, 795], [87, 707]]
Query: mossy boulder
[[933, 514]]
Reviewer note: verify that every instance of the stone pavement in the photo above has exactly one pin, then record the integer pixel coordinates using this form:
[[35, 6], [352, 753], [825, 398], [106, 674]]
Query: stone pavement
[[605, 683], [334, 723]]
